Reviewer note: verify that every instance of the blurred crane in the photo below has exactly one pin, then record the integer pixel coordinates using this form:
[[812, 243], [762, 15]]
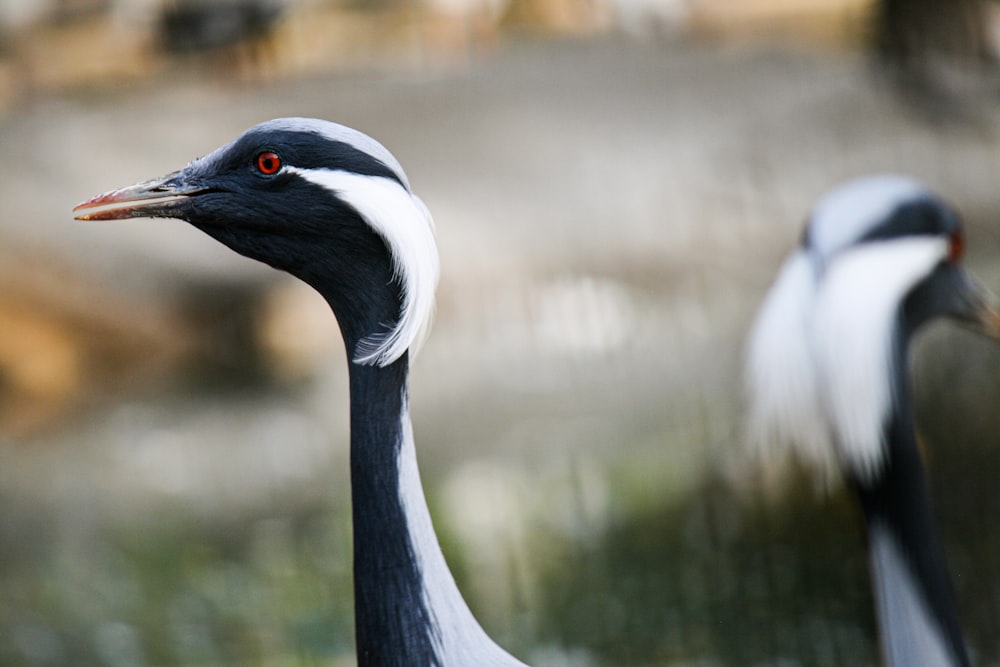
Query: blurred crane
[[827, 374]]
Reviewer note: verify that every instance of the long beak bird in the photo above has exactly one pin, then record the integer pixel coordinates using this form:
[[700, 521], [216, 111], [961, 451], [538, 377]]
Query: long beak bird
[[827, 373], [333, 207]]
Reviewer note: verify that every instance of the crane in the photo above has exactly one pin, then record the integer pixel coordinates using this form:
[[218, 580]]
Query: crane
[[331, 206], [827, 377]]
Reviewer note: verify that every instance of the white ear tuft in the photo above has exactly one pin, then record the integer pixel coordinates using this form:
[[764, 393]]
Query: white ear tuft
[[782, 382], [856, 314], [820, 355], [405, 224]]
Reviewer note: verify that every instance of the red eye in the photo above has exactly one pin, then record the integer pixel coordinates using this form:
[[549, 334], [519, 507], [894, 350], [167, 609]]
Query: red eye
[[268, 163], [956, 246]]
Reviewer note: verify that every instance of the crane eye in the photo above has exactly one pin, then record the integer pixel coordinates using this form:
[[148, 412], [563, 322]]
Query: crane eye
[[956, 246], [268, 163]]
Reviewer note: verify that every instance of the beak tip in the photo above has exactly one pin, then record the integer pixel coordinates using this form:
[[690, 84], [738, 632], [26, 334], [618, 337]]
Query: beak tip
[[103, 198], [92, 202], [154, 198]]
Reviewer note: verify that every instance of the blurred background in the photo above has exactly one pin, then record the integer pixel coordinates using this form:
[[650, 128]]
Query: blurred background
[[614, 184]]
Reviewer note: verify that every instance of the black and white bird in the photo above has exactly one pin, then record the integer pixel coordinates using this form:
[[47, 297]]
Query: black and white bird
[[827, 374], [332, 206]]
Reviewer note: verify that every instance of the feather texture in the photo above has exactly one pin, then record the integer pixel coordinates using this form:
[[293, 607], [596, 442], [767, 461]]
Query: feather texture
[[407, 228]]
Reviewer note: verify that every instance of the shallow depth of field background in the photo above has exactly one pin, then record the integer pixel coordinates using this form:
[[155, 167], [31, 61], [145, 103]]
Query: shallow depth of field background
[[614, 184]]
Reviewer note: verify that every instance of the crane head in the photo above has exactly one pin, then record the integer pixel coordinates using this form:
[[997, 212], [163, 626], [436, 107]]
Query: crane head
[[322, 201], [881, 255]]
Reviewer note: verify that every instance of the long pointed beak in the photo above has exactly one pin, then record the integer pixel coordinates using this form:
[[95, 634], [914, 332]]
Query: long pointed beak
[[982, 310], [157, 198]]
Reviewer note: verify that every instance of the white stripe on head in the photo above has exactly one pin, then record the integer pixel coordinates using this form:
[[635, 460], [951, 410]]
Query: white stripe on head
[[847, 212], [856, 311], [340, 133], [406, 226]]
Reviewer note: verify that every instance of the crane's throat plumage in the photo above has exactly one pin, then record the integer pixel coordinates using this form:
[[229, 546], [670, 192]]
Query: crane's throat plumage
[[820, 358]]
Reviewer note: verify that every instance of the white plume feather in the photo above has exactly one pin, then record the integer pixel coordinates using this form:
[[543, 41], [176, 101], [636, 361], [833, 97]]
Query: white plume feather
[[406, 226], [819, 360], [856, 312], [820, 354], [785, 409]]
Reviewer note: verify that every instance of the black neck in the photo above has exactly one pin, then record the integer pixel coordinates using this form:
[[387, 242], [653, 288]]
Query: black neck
[[896, 506], [392, 622], [402, 585]]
